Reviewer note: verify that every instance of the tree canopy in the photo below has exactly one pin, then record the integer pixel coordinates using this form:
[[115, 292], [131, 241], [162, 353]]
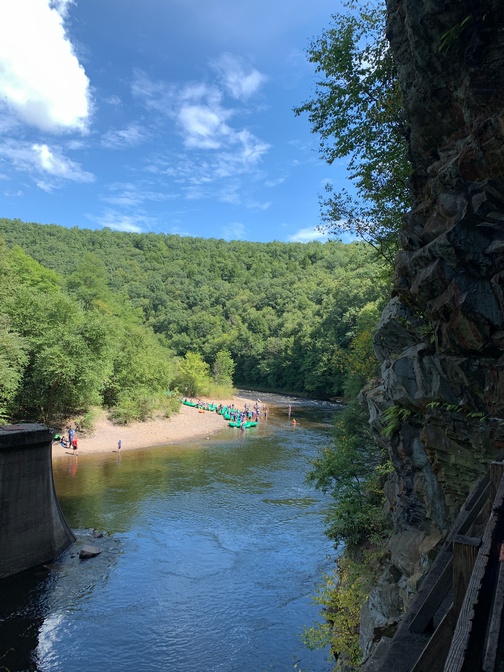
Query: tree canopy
[[97, 316], [356, 110]]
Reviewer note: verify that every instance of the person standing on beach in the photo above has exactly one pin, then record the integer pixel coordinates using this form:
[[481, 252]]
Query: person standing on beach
[[119, 445]]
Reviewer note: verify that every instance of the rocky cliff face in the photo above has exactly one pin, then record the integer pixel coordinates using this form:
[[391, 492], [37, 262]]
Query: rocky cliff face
[[441, 337]]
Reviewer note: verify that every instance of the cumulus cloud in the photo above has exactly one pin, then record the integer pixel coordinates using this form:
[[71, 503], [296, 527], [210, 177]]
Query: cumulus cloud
[[219, 151], [41, 79], [238, 79]]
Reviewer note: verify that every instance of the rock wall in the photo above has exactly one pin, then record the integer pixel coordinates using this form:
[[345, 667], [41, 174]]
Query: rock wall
[[441, 337]]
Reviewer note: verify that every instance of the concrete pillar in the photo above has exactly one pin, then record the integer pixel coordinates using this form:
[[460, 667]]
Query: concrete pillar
[[33, 529]]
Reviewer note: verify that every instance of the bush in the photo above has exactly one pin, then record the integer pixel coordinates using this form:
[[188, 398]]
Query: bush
[[134, 406], [170, 404], [142, 405], [342, 596], [86, 422]]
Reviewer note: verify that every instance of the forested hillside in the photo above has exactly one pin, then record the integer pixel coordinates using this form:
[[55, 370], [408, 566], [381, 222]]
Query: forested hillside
[[292, 316]]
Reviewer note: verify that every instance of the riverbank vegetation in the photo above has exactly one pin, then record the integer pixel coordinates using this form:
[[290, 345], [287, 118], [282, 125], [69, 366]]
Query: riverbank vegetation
[[103, 318]]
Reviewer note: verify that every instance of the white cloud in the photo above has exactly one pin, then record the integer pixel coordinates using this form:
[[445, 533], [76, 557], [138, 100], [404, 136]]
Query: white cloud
[[41, 78], [274, 182], [219, 152], [235, 231], [203, 127], [112, 100], [241, 82], [306, 235], [49, 166], [120, 222], [202, 119], [265, 205], [57, 165], [128, 195], [130, 136]]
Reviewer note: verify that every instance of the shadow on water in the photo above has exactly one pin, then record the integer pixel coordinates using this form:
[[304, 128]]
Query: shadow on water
[[29, 599]]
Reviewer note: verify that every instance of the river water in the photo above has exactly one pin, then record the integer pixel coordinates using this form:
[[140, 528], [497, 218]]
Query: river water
[[211, 553]]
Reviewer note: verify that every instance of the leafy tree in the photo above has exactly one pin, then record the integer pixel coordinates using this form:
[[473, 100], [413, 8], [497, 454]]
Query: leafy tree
[[65, 368], [193, 376], [13, 359], [356, 110], [223, 368], [140, 364], [88, 282], [32, 274]]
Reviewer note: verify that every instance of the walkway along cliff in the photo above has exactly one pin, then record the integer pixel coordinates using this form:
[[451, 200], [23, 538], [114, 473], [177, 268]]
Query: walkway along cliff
[[33, 529], [441, 337]]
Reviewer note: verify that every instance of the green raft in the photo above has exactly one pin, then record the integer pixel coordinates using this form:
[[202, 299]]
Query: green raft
[[246, 425], [190, 403]]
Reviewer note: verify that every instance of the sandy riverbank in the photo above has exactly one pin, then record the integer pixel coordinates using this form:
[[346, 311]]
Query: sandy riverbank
[[182, 427]]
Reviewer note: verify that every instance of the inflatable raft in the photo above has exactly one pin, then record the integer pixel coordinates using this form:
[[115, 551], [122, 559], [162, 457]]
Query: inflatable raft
[[246, 425]]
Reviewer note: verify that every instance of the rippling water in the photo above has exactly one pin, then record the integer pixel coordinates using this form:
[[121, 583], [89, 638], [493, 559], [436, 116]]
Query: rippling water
[[210, 555]]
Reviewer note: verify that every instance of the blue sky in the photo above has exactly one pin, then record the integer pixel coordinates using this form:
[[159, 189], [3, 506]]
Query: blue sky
[[170, 116]]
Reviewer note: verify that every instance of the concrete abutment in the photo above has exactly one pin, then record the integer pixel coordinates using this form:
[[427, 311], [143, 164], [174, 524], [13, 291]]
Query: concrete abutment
[[33, 529]]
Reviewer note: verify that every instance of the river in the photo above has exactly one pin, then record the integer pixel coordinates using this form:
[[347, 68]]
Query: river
[[211, 553]]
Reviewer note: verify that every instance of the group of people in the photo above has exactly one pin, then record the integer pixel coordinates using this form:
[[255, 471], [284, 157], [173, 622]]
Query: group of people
[[72, 441], [248, 413]]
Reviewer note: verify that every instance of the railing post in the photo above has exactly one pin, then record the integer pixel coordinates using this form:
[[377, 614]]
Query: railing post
[[465, 550], [496, 473]]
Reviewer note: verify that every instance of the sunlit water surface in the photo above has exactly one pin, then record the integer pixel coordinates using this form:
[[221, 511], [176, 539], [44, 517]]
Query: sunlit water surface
[[210, 558]]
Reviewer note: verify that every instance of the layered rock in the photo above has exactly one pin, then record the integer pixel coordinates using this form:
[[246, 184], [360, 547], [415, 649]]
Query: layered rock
[[441, 338]]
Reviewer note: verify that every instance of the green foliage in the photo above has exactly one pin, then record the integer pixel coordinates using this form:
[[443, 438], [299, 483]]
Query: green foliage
[[287, 313], [140, 405], [139, 362], [86, 421], [220, 391], [31, 274], [193, 375], [356, 111], [137, 407], [169, 404], [453, 38], [342, 596], [223, 369], [352, 472], [13, 358], [394, 417], [60, 354]]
